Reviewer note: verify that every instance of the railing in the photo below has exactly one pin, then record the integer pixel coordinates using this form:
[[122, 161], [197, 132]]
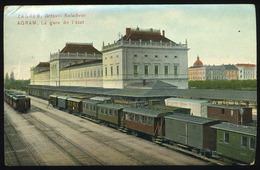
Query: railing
[[143, 43], [75, 55]]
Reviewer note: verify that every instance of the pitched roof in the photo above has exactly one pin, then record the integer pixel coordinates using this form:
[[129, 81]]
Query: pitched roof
[[80, 48], [43, 64], [230, 67], [245, 65], [83, 64], [136, 35]]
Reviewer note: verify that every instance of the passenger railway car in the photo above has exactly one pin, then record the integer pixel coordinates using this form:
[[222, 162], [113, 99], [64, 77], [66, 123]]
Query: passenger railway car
[[110, 114], [192, 131], [236, 141], [89, 108], [74, 105], [145, 121], [18, 101], [53, 100], [62, 102]]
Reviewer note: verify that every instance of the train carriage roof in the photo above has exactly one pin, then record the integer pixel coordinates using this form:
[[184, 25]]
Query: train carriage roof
[[53, 95], [74, 99], [189, 118], [63, 97], [146, 111], [90, 101], [235, 128], [111, 106]]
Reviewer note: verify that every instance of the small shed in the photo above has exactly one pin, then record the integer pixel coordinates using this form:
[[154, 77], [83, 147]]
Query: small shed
[[192, 131], [232, 114], [148, 121], [197, 107], [236, 141]]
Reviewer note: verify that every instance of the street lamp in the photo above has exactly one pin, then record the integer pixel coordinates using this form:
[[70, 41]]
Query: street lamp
[[241, 113]]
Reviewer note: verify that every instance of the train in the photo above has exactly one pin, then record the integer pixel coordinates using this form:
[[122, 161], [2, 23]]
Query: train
[[18, 101], [172, 125]]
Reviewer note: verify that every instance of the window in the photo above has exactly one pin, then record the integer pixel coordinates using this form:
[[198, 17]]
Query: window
[[145, 55], [175, 56], [115, 113], [135, 70], [166, 56], [150, 120], [95, 73], [117, 70], [136, 117], [166, 70], [226, 137], [130, 116], [156, 56], [175, 70], [135, 55], [244, 141], [88, 74], [110, 112], [156, 70], [143, 119], [101, 110], [111, 70], [84, 74], [105, 71], [146, 70], [105, 111], [252, 143], [222, 111]]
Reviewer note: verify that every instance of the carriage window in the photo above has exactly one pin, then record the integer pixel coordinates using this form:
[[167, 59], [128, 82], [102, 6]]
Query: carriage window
[[129, 116], [94, 108], [136, 117], [105, 111], [101, 110], [110, 112], [150, 120], [143, 119], [244, 141], [115, 113], [226, 137], [252, 143]]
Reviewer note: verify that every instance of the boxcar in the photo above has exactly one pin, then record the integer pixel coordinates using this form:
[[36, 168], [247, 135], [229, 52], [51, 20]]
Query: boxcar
[[230, 113], [192, 131], [74, 105], [62, 102], [111, 114], [89, 108], [53, 100], [236, 141], [145, 121], [21, 103], [170, 108]]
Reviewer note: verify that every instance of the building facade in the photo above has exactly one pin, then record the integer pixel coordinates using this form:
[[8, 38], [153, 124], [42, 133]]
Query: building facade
[[246, 71], [144, 56], [139, 56]]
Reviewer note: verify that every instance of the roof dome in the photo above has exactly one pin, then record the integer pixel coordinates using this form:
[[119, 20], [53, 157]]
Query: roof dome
[[198, 62]]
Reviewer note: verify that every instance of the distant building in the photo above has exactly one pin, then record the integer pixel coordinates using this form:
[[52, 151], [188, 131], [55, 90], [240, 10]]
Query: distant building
[[246, 71], [197, 71], [230, 72], [143, 56], [140, 59], [215, 72]]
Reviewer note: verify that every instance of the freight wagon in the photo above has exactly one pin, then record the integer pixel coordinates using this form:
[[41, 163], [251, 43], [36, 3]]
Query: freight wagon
[[197, 107]]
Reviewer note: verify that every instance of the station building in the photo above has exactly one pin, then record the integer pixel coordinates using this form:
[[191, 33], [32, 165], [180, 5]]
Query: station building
[[138, 59]]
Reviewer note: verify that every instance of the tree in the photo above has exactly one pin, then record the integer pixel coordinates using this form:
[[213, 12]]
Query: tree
[[12, 76]]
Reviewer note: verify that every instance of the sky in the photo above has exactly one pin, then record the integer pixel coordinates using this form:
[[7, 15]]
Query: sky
[[218, 34]]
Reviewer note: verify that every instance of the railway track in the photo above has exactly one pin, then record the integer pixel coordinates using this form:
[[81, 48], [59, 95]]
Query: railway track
[[105, 140], [213, 161], [80, 156]]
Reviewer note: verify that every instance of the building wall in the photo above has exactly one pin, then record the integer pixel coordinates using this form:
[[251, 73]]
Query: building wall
[[246, 73], [90, 76], [231, 74], [133, 60], [198, 73], [42, 78]]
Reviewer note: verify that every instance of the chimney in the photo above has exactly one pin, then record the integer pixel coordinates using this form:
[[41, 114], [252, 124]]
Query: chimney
[[163, 33], [144, 82], [127, 31]]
